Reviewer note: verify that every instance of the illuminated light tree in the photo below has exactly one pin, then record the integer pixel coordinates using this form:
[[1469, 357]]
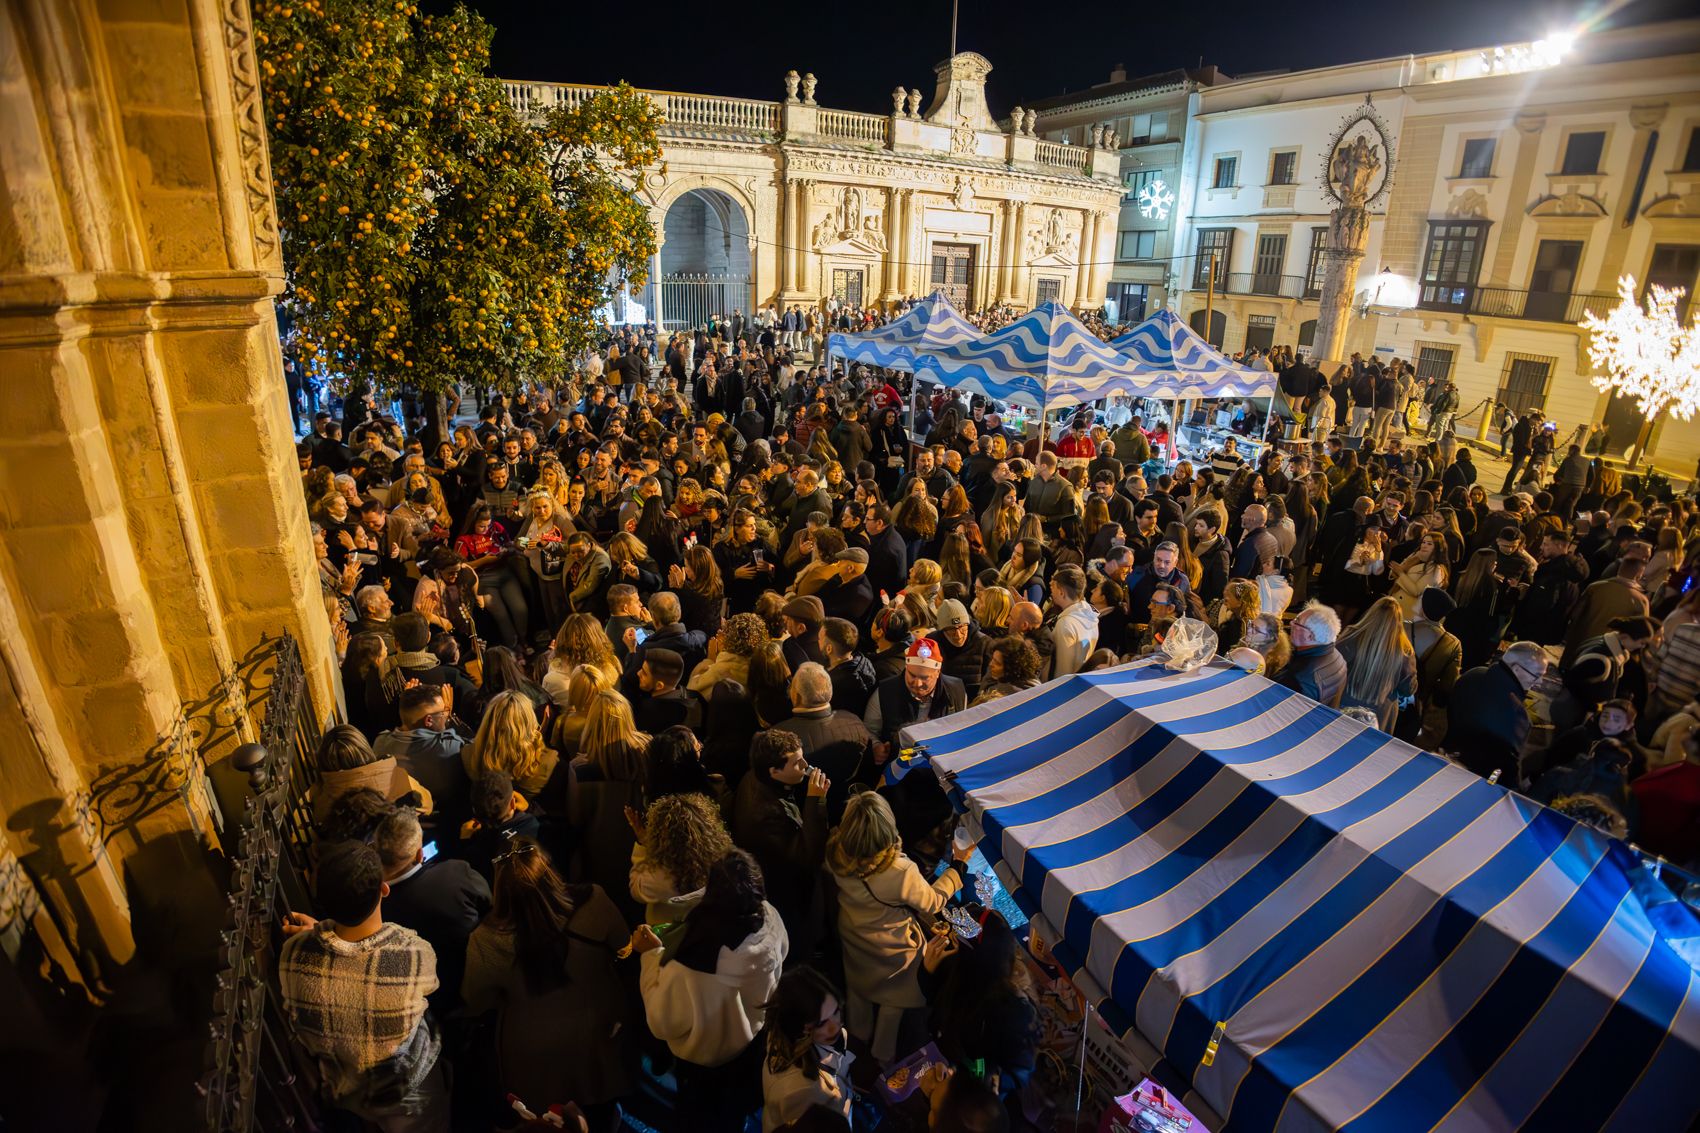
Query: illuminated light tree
[[1644, 352], [430, 235]]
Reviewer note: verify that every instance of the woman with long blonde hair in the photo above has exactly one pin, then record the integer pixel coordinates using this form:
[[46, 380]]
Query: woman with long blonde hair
[[582, 687], [1381, 667], [991, 609], [954, 562], [1231, 613], [881, 896], [611, 742], [633, 563], [1180, 534], [510, 741], [1001, 519]]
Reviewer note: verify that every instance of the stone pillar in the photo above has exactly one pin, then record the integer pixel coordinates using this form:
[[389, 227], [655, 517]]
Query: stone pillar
[[1529, 127], [904, 248], [1020, 290], [154, 529], [1348, 237], [655, 276], [787, 230], [892, 265], [1009, 245], [800, 236], [1084, 270]]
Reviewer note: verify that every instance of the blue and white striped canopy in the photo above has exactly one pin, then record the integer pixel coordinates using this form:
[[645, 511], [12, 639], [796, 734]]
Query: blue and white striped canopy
[[932, 322], [1175, 361], [1046, 358], [1390, 942]]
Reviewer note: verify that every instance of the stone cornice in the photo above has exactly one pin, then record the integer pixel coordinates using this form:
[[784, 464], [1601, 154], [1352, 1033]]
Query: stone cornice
[[22, 295]]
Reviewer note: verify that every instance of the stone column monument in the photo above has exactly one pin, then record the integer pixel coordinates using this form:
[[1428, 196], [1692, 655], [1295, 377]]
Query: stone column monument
[[1352, 181]]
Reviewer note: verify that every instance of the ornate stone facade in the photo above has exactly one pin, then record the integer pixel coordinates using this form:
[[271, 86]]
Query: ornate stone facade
[[153, 528], [866, 204]]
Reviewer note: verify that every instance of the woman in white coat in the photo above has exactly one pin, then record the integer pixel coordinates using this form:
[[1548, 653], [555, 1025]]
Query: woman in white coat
[[706, 988], [883, 905]]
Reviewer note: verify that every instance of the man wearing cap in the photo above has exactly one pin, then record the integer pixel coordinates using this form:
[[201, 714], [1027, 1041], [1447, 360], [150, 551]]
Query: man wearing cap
[[847, 593], [921, 692], [802, 617], [1439, 659], [962, 643]]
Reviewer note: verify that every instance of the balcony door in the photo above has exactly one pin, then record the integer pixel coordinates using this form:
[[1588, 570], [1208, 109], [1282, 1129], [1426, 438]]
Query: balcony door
[[1553, 280], [1266, 268]]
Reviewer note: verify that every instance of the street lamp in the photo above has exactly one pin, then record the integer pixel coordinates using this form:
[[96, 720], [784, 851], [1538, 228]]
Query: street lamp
[[1646, 353]]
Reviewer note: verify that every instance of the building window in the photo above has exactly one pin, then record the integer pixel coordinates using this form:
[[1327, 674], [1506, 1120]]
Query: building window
[[1218, 326], [1138, 180], [1450, 264], [1130, 300], [1674, 265], [1050, 291], [1318, 262], [1212, 241], [1226, 169], [1691, 155], [1582, 152], [1284, 168], [1434, 362], [1523, 382], [847, 285], [1138, 246], [1478, 158], [1307, 334], [1139, 130]]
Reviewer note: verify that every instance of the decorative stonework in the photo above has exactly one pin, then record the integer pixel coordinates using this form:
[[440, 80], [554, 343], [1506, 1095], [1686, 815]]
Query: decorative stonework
[[1568, 203], [959, 100], [1471, 203], [1049, 235], [251, 133]]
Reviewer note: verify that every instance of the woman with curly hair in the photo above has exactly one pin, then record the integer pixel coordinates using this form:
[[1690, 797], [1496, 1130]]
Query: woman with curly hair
[[510, 741], [698, 586], [1012, 664], [581, 641], [881, 898], [677, 840], [741, 636]]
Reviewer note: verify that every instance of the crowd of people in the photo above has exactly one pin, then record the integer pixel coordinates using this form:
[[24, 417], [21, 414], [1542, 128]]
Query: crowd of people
[[626, 662]]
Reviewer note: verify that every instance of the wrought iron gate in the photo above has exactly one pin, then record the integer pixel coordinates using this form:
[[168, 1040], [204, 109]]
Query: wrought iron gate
[[691, 299]]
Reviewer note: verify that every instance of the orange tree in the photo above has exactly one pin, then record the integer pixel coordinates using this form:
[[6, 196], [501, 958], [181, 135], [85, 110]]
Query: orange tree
[[430, 235]]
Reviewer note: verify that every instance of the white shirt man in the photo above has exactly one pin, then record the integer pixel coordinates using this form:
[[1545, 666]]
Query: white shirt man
[[1075, 634]]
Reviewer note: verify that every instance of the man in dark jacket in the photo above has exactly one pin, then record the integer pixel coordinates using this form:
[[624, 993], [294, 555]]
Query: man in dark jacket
[[1161, 571], [833, 740], [1553, 591], [1258, 548], [852, 675], [1210, 547], [1316, 669], [962, 643], [849, 594], [1487, 723], [922, 692], [888, 558], [803, 617], [661, 703], [1522, 436], [442, 900], [787, 840]]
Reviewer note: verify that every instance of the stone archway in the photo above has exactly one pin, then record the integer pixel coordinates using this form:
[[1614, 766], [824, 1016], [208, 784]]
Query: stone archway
[[706, 261]]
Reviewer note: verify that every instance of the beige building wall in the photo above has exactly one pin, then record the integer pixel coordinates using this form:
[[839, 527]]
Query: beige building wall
[[152, 531]]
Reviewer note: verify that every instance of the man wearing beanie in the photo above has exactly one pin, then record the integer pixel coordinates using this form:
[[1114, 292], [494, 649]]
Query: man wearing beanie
[[1439, 660]]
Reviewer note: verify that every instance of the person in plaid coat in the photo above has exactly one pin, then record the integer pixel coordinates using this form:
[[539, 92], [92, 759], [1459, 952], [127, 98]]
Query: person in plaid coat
[[354, 991]]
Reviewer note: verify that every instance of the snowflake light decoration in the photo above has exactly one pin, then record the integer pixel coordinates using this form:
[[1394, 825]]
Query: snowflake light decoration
[[1154, 201], [1646, 353]]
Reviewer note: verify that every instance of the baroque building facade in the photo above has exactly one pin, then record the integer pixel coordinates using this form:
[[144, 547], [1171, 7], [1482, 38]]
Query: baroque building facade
[[791, 203], [1515, 186]]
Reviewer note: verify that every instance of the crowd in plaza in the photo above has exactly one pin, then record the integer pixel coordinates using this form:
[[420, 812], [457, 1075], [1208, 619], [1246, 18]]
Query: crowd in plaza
[[626, 663]]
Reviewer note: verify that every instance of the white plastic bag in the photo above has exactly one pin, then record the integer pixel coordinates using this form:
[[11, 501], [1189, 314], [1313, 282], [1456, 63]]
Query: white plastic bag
[[1189, 644]]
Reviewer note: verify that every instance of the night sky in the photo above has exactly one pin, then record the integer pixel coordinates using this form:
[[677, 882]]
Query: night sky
[[1036, 50]]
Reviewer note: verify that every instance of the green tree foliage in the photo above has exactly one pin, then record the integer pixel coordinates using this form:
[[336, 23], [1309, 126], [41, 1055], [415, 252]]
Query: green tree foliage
[[431, 235]]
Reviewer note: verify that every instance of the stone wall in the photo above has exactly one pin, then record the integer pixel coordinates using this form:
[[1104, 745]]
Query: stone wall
[[152, 530]]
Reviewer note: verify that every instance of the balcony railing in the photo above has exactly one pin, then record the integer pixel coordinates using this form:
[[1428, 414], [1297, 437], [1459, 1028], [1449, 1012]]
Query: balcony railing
[[1072, 158], [681, 113], [853, 126], [1538, 306], [1260, 283]]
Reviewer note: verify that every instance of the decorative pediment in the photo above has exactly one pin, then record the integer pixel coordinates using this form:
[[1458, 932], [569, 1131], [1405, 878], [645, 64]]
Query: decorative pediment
[[1569, 203], [1054, 260], [1671, 206], [855, 244]]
